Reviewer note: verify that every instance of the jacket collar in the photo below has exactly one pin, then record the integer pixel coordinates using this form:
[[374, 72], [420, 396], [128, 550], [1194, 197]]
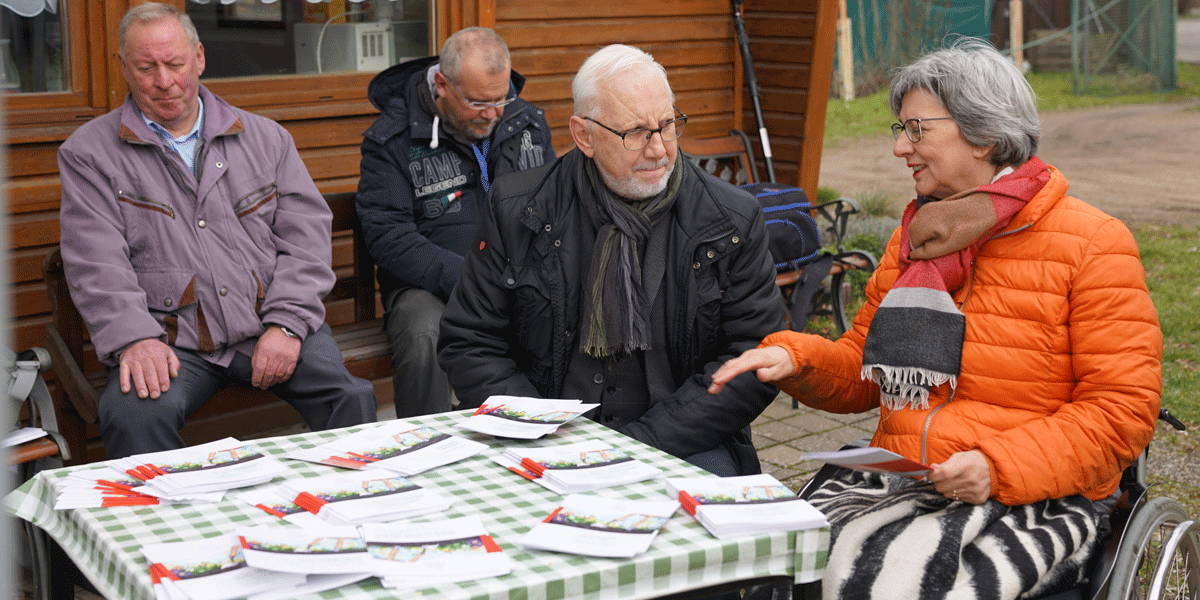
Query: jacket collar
[[696, 213], [1041, 203], [219, 119]]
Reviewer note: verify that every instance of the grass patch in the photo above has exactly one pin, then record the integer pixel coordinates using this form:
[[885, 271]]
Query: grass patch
[[861, 117], [1171, 258], [1054, 90]]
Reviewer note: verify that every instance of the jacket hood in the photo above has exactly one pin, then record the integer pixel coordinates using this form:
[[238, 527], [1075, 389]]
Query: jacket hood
[[393, 81]]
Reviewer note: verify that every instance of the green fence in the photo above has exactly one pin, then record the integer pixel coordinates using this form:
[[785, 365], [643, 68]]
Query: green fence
[[1110, 46]]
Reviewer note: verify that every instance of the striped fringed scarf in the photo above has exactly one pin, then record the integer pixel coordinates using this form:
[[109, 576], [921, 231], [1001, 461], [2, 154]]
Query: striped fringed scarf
[[915, 339], [895, 537]]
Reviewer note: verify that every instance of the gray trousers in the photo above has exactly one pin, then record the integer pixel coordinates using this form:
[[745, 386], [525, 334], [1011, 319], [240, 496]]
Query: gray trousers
[[325, 394], [413, 319]]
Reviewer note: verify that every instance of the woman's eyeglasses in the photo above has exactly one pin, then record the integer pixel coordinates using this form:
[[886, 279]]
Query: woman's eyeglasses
[[912, 128]]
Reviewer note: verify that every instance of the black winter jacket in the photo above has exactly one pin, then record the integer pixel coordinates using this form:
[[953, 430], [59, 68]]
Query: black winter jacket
[[417, 238], [512, 324]]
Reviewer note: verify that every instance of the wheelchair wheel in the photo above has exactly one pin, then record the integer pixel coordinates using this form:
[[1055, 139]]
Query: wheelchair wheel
[[1141, 555]]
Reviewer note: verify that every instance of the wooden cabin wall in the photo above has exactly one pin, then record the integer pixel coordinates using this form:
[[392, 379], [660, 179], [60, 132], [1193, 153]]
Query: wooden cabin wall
[[792, 43], [693, 39]]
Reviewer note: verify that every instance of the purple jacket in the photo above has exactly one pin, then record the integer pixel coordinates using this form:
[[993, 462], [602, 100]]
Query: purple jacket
[[151, 253]]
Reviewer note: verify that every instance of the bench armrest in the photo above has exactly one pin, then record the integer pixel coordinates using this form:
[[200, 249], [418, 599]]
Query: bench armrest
[[82, 395]]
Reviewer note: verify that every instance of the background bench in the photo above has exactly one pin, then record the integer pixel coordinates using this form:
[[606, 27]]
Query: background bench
[[239, 411]]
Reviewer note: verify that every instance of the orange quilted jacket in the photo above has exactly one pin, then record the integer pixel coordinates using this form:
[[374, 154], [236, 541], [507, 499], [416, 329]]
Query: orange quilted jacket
[[1061, 371]]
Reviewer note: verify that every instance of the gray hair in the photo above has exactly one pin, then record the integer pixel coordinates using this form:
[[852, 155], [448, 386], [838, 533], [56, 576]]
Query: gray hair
[[149, 13], [490, 46], [605, 65], [985, 94]]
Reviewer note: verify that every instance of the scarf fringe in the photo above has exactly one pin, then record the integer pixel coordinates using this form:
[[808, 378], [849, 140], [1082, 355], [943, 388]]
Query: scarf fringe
[[905, 387]]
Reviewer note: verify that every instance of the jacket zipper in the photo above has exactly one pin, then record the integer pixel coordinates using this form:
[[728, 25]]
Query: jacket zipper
[[970, 287], [689, 314], [154, 204]]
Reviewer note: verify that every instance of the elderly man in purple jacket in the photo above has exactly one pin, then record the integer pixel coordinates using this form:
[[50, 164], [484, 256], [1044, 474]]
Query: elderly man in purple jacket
[[197, 249]]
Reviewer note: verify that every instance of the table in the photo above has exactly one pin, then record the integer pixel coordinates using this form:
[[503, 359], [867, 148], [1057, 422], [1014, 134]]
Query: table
[[105, 542]]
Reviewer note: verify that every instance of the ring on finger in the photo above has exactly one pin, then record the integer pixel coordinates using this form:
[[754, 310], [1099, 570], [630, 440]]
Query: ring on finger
[[955, 493]]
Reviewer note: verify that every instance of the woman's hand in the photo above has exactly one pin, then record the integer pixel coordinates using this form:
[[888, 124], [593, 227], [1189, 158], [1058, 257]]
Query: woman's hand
[[770, 364], [965, 476]]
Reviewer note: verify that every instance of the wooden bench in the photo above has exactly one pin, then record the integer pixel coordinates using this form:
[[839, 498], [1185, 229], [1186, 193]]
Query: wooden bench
[[238, 411]]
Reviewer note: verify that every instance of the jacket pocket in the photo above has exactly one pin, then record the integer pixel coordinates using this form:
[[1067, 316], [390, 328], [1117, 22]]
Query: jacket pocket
[[533, 312], [171, 298], [255, 200], [142, 202]]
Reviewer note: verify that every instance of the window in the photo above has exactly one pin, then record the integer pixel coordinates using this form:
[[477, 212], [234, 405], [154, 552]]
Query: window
[[33, 55], [253, 37]]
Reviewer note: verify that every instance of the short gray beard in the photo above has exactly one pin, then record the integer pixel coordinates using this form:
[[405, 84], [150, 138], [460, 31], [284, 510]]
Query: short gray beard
[[631, 188]]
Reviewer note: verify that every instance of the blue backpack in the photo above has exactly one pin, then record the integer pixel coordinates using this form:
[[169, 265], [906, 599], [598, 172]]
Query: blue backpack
[[795, 243], [795, 240]]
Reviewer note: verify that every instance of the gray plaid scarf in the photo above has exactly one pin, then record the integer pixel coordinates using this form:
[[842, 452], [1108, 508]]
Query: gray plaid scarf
[[616, 315]]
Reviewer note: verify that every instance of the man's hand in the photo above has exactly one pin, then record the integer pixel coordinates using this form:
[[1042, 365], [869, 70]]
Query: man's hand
[[965, 476], [770, 364], [148, 366], [274, 359]]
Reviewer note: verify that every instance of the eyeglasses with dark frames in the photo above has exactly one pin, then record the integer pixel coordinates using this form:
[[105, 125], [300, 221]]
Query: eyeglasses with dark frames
[[638, 138], [480, 105], [912, 128]]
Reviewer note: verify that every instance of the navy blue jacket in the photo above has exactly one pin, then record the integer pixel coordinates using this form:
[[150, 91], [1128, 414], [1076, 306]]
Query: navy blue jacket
[[417, 237]]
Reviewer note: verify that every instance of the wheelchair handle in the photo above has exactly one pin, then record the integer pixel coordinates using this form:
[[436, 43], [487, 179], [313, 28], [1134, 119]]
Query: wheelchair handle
[[1165, 415]]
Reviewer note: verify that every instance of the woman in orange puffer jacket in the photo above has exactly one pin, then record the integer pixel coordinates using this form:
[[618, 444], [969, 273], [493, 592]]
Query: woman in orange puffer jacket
[[1007, 337]]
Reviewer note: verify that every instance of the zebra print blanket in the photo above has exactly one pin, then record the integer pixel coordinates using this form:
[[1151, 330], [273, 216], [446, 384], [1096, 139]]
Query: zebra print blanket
[[896, 537]]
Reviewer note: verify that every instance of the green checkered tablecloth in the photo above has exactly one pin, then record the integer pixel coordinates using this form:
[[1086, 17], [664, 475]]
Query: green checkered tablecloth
[[105, 542]]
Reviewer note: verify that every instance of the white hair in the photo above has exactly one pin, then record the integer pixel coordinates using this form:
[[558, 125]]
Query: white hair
[[605, 65]]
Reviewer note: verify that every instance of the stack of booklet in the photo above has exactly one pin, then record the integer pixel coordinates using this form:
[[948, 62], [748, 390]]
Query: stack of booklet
[[596, 526], [581, 467], [195, 474], [271, 501], [406, 555], [216, 569], [740, 506], [106, 487], [397, 446], [264, 563], [523, 418], [368, 495]]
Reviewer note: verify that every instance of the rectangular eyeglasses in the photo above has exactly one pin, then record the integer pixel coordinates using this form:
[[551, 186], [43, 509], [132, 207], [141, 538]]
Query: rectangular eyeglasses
[[638, 138], [912, 128]]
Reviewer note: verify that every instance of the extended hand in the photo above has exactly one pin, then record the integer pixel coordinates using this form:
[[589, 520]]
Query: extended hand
[[770, 364], [965, 476], [148, 366], [274, 359]]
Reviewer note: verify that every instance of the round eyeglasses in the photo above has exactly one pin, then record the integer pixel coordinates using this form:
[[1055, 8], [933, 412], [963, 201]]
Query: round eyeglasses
[[639, 138], [481, 105], [912, 128]]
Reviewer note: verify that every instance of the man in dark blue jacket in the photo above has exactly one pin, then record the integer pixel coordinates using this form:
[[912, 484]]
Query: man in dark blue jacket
[[450, 125]]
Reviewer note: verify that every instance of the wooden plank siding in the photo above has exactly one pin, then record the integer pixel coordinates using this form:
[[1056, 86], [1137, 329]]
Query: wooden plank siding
[[693, 39], [792, 42]]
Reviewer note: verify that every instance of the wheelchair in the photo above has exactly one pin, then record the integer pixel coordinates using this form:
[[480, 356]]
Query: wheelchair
[[1152, 553]]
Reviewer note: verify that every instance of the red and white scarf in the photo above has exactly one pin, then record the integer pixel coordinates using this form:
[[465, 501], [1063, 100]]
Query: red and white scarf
[[915, 339]]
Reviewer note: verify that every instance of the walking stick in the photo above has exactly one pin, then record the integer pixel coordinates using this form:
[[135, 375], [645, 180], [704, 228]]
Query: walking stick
[[748, 63]]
